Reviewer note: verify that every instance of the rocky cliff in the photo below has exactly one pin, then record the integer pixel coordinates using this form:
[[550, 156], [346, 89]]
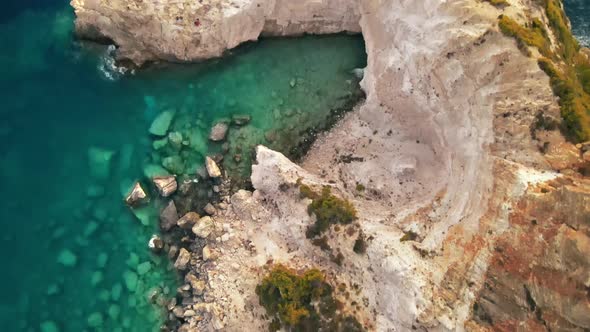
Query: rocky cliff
[[476, 217]]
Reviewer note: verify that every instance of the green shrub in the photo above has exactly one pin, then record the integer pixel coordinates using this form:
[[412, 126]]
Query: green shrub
[[328, 210], [302, 302], [498, 3], [409, 236], [535, 35], [360, 245]]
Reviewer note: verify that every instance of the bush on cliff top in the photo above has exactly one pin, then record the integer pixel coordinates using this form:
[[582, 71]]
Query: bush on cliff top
[[328, 210], [302, 302]]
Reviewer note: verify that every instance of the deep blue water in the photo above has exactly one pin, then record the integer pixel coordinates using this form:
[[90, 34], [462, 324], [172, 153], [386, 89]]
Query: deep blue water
[[58, 108], [579, 13]]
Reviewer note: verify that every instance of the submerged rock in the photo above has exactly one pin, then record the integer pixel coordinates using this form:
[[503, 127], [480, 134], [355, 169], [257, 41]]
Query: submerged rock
[[99, 162], [160, 143], [130, 280], [166, 185], [175, 139], [218, 132], [67, 258], [152, 170], [174, 164], [203, 227], [136, 196], [49, 326], [162, 123], [168, 216], [241, 119], [95, 320], [183, 258], [212, 168]]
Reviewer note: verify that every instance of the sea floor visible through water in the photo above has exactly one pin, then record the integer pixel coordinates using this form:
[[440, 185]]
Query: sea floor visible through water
[[74, 137]]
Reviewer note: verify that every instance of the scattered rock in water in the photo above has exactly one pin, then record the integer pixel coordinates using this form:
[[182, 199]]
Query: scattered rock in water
[[102, 259], [175, 139], [91, 227], [160, 143], [67, 258], [96, 278], [166, 185], [152, 170], [240, 119], [174, 164], [203, 227], [114, 311], [210, 209], [156, 244], [53, 289], [49, 326], [188, 220], [144, 268], [270, 136], [99, 162], [162, 123], [95, 320], [168, 216], [183, 258], [95, 191], [218, 132], [136, 196], [212, 169], [116, 291], [207, 253], [130, 280]]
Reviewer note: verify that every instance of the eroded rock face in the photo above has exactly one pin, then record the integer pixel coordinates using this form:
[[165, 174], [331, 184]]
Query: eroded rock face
[[538, 273], [188, 30]]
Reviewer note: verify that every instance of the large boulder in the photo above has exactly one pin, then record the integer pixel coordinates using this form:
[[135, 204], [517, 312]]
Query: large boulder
[[168, 216], [212, 168], [183, 259], [188, 220], [203, 227], [166, 185], [136, 196], [162, 123]]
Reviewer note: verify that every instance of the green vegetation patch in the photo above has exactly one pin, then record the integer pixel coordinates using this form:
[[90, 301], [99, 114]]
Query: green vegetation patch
[[328, 210], [498, 3], [302, 302], [567, 68], [531, 35]]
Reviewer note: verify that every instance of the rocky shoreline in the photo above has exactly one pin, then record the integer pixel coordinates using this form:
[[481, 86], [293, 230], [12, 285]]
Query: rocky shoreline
[[476, 217]]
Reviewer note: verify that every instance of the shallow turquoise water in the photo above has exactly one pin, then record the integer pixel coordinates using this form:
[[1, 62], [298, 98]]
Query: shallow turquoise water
[[57, 106]]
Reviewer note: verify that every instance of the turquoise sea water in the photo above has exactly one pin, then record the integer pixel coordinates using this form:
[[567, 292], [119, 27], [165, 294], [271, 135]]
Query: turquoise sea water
[[75, 257]]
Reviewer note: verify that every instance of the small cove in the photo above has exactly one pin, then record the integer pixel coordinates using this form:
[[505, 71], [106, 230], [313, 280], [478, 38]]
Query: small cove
[[75, 255]]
